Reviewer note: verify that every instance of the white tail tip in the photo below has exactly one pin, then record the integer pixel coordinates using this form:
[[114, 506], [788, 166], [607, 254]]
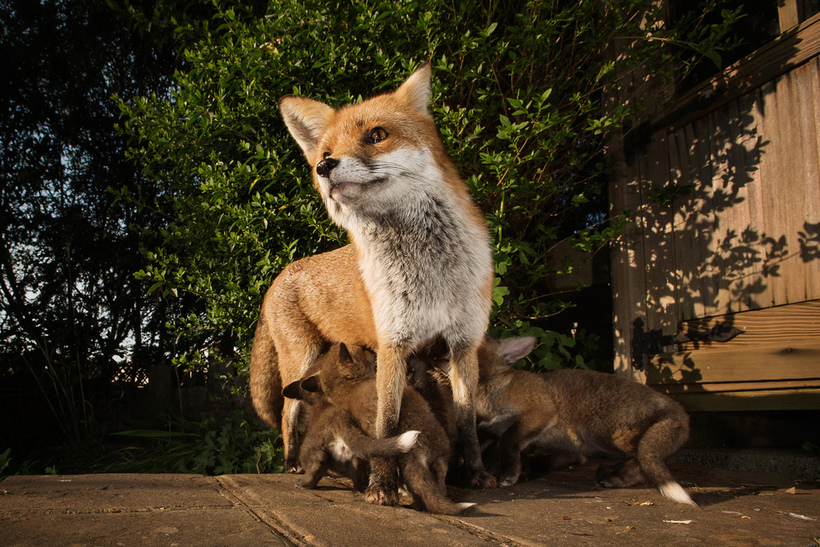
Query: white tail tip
[[675, 491], [465, 505], [407, 440]]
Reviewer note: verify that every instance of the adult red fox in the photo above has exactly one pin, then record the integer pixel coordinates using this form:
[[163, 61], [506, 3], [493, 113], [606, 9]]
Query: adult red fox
[[419, 266]]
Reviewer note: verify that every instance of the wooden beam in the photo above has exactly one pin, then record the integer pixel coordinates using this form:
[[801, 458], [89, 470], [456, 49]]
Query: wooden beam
[[787, 51], [775, 344], [798, 359], [808, 399], [736, 387]]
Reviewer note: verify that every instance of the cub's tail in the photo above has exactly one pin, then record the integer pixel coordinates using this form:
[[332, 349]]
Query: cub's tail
[[656, 446], [426, 491], [675, 491], [364, 446]]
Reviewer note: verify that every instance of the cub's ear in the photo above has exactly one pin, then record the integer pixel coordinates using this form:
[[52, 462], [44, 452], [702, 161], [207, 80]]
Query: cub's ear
[[416, 90], [306, 120], [311, 384], [344, 354], [512, 350], [293, 390]]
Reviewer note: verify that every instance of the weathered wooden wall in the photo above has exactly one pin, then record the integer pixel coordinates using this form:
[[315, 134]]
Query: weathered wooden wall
[[741, 249]]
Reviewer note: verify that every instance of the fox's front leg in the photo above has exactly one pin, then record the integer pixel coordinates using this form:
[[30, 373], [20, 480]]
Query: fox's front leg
[[290, 435], [390, 381], [464, 379]]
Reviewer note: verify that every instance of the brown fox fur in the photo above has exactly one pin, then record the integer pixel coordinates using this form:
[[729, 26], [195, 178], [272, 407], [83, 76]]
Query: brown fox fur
[[293, 330], [574, 414], [420, 265], [334, 442], [347, 379]]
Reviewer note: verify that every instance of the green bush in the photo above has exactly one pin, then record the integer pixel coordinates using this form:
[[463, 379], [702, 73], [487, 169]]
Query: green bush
[[208, 447], [519, 97]]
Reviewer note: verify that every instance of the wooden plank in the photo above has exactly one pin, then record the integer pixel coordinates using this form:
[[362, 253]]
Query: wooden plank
[[723, 269], [726, 387], [787, 14], [773, 174], [780, 343], [796, 360], [628, 279], [689, 222], [769, 325], [658, 240], [741, 234], [791, 193], [759, 292], [680, 149], [807, 237], [798, 399], [701, 223], [626, 259]]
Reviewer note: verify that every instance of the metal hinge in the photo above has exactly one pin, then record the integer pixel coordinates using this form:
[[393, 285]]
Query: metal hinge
[[653, 342]]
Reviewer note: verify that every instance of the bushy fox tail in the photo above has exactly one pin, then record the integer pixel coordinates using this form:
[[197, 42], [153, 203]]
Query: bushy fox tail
[[265, 380], [426, 490], [364, 446], [659, 442]]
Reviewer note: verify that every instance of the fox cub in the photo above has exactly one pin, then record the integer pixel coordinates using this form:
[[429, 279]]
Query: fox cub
[[346, 378], [334, 442], [420, 254], [312, 302], [574, 414]]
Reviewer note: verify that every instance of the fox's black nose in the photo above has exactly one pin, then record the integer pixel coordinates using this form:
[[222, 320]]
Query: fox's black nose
[[324, 167]]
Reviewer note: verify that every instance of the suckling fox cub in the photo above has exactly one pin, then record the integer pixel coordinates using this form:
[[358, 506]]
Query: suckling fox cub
[[334, 442], [347, 379], [294, 328], [574, 414], [420, 263]]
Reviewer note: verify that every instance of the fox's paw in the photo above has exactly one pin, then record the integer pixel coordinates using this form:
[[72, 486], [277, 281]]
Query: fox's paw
[[293, 466], [306, 483], [482, 479], [382, 494], [612, 481], [507, 479], [621, 475]]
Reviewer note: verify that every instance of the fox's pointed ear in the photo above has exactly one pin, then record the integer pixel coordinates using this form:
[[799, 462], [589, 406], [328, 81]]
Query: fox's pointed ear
[[416, 90], [311, 384], [344, 354], [293, 390], [306, 120], [512, 350]]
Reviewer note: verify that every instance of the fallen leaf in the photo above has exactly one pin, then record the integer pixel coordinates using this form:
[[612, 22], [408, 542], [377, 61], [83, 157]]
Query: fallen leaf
[[678, 521], [642, 504], [564, 517], [792, 490], [804, 517]]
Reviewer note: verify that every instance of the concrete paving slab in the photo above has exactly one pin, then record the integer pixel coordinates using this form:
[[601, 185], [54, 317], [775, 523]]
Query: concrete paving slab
[[125, 510], [561, 508]]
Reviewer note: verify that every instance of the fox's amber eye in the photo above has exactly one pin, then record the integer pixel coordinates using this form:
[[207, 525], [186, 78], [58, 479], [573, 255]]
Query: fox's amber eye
[[377, 134], [325, 155]]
